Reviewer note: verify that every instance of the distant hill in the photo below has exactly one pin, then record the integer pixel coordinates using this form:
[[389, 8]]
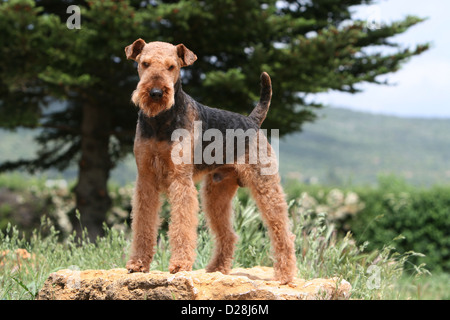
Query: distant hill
[[341, 147], [345, 146]]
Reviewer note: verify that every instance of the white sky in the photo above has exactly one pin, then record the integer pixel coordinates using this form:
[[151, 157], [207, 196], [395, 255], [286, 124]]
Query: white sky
[[422, 85]]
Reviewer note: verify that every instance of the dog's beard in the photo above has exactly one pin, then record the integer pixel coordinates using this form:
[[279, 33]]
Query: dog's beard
[[151, 108]]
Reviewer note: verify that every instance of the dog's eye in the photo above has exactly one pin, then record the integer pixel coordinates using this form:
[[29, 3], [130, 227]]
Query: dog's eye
[[171, 67], [145, 64]]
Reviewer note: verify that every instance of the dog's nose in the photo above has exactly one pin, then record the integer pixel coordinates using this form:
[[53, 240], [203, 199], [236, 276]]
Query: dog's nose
[[156, 94]]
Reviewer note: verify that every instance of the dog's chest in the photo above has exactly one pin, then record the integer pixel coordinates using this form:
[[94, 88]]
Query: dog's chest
[[159, 158]]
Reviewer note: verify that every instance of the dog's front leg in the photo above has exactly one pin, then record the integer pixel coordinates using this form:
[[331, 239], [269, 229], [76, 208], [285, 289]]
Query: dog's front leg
[[182, 196], [145, 223]]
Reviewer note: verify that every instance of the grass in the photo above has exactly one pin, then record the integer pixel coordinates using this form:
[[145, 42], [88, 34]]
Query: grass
[[321, 253], [431, 287]]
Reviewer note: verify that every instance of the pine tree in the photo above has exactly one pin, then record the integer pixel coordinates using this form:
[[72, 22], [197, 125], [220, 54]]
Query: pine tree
[[306, 46]]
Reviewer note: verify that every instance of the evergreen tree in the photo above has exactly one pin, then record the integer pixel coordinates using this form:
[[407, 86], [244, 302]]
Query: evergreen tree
[[306, 46]]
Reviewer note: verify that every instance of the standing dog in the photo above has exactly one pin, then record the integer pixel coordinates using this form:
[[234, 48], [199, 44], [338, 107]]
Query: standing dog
[[165, 108]]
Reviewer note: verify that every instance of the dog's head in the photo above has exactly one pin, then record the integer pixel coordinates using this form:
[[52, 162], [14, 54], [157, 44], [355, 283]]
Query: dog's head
[[159, 65]]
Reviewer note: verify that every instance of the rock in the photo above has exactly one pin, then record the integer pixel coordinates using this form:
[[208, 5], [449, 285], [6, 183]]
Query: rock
[[241, 284]]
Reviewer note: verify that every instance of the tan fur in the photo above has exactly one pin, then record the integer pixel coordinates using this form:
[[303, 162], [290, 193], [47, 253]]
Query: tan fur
[[216, 202], [157, 174]]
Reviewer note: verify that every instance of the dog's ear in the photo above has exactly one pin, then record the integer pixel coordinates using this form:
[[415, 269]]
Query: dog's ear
[[186, 56], [134, 49]]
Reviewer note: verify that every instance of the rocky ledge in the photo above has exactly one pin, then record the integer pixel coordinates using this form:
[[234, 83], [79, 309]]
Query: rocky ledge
[[241, 284]]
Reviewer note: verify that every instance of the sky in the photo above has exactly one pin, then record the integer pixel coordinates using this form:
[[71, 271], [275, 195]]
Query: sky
[[422, 86]]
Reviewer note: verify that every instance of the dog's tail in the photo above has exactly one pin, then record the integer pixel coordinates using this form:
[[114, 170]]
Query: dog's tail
[[259, 113]]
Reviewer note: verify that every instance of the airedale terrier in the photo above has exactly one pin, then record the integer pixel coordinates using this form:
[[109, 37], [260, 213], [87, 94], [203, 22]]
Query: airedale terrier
[[166, 108]]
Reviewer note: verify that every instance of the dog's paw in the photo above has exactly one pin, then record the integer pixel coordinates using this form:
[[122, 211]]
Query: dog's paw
[[285, 280], [137, 265], [219, 268], [175, 267], [285, 276]]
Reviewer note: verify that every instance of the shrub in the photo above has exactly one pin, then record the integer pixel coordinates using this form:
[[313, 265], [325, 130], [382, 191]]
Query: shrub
[[418, 218], [421, 217]]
